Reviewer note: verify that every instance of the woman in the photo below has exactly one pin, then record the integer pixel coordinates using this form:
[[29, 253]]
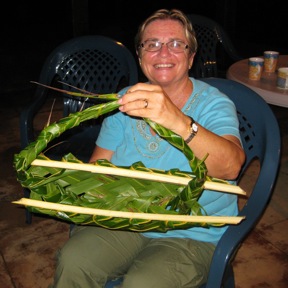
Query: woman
[[206, 119]]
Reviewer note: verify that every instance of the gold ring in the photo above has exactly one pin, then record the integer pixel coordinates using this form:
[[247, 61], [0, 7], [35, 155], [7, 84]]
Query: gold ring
[[146, 103]]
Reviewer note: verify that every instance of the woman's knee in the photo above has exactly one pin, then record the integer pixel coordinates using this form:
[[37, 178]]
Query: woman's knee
[[170, 263], [75, 270]]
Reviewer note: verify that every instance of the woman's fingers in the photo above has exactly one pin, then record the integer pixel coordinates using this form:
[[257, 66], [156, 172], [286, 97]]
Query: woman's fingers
[[132, 107], [149, 101]]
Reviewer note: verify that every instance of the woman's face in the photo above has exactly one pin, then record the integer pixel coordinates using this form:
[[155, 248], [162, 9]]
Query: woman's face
[[165, 67]]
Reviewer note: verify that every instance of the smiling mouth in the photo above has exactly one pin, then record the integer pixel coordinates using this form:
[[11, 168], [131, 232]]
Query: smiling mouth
[[164, 66]]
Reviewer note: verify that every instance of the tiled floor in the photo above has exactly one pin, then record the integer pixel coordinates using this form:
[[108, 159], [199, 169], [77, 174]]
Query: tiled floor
[[27, 251]]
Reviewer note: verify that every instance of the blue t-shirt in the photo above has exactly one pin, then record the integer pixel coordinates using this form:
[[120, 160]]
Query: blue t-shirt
[[131, 141]]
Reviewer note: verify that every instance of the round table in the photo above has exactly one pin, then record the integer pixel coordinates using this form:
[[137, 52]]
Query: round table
[[266, 87]]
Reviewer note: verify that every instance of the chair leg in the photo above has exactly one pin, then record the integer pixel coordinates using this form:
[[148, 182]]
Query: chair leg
[[228, 281], [229, 277], [27, 212], [28, 216]]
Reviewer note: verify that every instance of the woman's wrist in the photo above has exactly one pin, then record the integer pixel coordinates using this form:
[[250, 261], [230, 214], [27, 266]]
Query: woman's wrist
[[192, 130]]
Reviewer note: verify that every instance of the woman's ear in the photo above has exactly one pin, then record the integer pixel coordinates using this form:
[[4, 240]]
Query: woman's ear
[[139, 57], [191, 60]]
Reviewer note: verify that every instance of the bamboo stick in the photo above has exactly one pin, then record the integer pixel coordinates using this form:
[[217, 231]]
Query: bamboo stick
[[209, 185], [134, 215]]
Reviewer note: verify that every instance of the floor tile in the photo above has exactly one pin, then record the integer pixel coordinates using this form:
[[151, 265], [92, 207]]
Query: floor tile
[[260, 264]]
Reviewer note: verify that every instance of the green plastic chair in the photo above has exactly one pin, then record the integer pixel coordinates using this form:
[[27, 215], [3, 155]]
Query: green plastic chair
[[216, 51], [261, 140], [94, 63]]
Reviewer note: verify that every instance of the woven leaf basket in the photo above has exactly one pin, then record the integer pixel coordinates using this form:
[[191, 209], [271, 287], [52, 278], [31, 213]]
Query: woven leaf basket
[[72, 191]]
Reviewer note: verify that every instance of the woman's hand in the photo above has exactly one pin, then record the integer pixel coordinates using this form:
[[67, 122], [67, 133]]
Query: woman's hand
[[150, 101]]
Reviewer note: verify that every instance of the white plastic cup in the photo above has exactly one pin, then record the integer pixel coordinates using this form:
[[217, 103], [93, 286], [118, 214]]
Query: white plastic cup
[[255, 68], [270, 61], [282, 78]]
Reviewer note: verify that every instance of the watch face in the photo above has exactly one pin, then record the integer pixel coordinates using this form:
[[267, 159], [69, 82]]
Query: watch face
[[193, 130], [194, 127]]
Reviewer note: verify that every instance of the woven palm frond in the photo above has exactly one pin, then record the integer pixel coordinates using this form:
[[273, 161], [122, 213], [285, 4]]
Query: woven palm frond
[[111, 192]]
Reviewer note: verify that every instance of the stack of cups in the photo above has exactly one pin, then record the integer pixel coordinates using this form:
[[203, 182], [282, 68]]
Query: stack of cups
[[267, 64], [255, 68], [270, 61]]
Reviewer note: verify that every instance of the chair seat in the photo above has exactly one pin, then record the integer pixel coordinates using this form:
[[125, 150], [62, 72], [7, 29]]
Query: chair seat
[[114, 283]]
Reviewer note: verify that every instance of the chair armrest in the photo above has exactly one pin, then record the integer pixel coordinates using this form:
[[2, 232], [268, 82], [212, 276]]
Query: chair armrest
[[230, 242]]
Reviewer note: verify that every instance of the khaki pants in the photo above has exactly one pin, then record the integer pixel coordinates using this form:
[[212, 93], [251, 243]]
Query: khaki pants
[[94, 255]]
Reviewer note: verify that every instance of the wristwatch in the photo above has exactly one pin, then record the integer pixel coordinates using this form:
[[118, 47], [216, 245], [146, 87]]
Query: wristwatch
[[193, 129]]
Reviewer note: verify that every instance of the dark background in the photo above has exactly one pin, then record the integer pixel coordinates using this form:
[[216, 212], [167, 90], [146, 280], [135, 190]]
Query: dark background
[[30, 30]]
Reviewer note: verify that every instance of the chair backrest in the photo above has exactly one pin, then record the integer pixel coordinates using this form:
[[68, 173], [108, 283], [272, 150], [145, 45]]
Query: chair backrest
[[261, 140], [215, 49], [94, 63]]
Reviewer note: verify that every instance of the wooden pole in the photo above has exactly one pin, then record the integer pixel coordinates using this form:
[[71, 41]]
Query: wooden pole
[[209, 185], [129, 215]]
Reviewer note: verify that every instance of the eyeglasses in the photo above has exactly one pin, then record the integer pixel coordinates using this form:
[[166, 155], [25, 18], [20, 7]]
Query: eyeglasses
[[175, 46]]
